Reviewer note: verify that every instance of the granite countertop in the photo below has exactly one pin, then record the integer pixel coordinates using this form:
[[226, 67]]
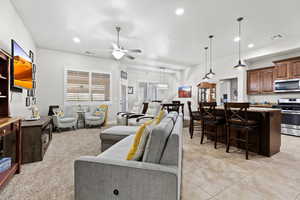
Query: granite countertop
[[255, 109]]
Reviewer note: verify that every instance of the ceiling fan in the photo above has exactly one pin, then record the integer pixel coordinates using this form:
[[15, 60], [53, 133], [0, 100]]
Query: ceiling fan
[[119, 52]]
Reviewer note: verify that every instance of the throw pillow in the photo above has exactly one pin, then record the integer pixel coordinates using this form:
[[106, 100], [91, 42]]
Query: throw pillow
[[136, 142], [59, 113], [160, 116]]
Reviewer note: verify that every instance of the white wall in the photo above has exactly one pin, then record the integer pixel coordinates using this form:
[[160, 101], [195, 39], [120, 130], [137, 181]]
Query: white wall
[[50, 77], [12, 27]]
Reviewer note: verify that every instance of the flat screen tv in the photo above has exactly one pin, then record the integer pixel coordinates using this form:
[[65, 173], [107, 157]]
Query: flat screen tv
[[21, 68]]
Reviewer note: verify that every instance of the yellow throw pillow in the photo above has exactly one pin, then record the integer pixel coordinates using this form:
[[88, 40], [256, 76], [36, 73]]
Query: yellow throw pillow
[[160, 116], [136, 141], [132, 154]]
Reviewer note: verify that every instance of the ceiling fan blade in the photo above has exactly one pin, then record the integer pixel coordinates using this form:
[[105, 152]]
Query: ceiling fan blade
[[130, 57], [135, 50]]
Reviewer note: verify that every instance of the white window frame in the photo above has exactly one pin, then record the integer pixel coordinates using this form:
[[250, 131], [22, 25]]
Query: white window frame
[[66, 69]]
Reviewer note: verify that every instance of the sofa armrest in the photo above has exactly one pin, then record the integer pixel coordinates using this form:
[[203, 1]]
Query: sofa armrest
[[102, 179], [144, 117], [135, 116]]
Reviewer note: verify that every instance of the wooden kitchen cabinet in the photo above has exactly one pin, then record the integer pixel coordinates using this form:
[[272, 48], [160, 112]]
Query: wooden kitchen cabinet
[[282, 71], [253, 81], [267, 80], [295, 69], [260, 81], [287, 69]]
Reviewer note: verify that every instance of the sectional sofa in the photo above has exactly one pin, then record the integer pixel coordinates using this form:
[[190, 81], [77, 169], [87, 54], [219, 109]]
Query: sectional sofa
[[157, 176]]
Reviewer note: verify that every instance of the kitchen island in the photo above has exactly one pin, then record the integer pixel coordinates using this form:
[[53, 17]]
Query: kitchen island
[[269, 129]]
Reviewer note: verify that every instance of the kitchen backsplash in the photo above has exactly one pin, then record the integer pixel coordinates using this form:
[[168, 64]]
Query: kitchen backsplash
[[271, 98]]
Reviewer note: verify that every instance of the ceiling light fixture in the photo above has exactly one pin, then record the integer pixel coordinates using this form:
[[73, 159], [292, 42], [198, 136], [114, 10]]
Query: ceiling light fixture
[[76, 40], [117, 54], [179, 11], [205, 78], [237, 39], [240, 65], [210, 74], [250, 45]]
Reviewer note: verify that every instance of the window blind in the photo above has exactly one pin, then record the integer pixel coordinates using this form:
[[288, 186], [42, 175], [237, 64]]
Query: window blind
[[86, 86], [77, 88], [100, 87]]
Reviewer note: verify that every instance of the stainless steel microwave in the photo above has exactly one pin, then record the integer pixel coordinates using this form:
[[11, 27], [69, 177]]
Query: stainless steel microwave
[[292, 85]]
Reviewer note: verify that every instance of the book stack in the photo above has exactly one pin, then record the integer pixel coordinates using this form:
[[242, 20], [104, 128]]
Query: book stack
[[5, 164]]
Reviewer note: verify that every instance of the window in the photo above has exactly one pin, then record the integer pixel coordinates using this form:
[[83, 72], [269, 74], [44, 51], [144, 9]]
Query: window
[[100, 87], [147, 91], [86, 86]]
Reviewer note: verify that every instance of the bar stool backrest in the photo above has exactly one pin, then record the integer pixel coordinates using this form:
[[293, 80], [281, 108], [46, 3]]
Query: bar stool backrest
[[208, 110], [189, 103], [236, 111]]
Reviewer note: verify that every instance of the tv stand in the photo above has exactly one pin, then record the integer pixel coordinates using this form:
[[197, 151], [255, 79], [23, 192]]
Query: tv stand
[[36, 138]]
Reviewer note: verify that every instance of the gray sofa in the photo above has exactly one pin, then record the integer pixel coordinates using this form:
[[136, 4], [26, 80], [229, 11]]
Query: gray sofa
[[109, 176]]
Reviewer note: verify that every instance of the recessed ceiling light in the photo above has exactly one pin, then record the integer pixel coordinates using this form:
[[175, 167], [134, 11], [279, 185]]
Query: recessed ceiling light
[[179, 11], [250, 45], [237, 39], [76, 39]]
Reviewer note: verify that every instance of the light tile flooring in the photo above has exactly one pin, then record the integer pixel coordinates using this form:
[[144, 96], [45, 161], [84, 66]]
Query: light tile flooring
[[217, 175]]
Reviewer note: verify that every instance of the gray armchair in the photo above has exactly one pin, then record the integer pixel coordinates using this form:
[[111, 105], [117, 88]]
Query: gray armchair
[[67, 119], [93, 119]]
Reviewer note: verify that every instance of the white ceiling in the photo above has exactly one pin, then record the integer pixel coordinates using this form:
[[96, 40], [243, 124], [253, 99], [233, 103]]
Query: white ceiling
[[166, 39]]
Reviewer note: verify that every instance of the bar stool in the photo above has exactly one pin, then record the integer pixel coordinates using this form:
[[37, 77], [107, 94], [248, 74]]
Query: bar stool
[[195, 120], [237, 118], [210, 119]]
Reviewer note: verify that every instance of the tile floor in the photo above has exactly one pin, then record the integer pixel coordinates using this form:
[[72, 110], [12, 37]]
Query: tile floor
[[217, 175]]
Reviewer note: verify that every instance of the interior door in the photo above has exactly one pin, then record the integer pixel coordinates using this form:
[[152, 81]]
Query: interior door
[[123, 98]]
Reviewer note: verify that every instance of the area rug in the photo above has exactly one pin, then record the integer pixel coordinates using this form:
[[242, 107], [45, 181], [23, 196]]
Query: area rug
[[53, 178]]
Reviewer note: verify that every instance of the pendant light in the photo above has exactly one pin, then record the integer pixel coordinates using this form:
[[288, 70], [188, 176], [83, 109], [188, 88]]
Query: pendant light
[[240, 65], [210, 74], [205, 78]]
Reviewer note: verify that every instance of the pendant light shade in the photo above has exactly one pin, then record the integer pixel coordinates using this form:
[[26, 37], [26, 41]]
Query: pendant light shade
[[240, 65], [210, 74], [205, 78]]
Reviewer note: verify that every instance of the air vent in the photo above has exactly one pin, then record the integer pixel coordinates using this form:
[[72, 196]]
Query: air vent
[[89, 53], [277, 37]]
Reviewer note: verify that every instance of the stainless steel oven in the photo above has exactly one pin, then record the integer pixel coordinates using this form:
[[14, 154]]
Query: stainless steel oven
[[290, 110], [290, 122], [292, 85]]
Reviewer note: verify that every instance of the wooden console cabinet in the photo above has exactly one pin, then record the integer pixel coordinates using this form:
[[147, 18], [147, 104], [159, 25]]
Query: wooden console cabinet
[[10, 127], [37, 136], [260, 81]]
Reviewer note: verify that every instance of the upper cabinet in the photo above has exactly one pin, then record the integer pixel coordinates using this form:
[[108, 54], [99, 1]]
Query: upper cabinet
[[287, 69], [260, 81], [295, 68]]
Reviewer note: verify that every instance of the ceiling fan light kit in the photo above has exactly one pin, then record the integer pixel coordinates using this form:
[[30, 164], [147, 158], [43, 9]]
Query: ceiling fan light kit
[[240, 65], [118, 54]]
